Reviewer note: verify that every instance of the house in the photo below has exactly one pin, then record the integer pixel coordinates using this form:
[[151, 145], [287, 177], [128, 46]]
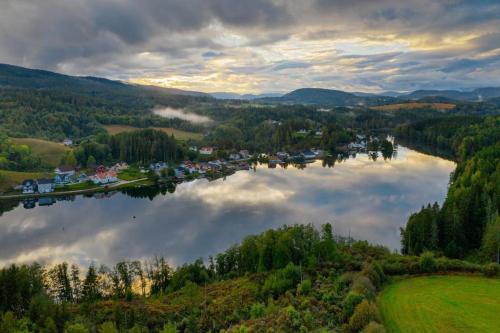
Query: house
[[64, 174], [29, 186], [120, 166], [45, 185], [193, 148], [67, 142], [318, 153], [244, 154], [157, 167], [302, 131], [179, 173], [102, 177], [282, 155], [273, 159], [234, 156], [318, 132], [82, 178], [189, 166], [206, 151], [309, 155]]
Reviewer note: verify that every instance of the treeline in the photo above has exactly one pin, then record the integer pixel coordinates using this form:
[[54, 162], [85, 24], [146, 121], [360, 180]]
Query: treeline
[[468, 223], [142, 146]]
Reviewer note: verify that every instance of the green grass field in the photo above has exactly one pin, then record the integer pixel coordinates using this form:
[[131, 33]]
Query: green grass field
[[50, 152], [178, 134], [441, 304]]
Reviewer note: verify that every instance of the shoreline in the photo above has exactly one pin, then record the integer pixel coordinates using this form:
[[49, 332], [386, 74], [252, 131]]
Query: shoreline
[[122, 183]]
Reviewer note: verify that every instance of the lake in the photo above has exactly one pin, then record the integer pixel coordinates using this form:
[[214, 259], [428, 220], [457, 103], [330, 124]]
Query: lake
[[364, 198]]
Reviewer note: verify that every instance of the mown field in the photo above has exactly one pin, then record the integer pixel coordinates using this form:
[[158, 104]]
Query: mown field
[[442, 304], [414, 105], [179, 134], [50, 152]]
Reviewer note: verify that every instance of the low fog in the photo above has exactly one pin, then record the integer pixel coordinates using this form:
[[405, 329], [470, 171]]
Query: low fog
[[168, 112]]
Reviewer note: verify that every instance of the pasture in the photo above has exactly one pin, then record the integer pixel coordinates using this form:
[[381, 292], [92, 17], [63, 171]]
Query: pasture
[[178, 134], [50, 152]]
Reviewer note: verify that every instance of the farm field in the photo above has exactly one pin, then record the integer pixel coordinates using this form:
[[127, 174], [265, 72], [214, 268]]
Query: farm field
[[441, 304], [414, 105], [50, 152], [179, 134]]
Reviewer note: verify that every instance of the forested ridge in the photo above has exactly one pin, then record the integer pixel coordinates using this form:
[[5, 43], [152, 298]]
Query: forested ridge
[[292, 279], [468, 222]]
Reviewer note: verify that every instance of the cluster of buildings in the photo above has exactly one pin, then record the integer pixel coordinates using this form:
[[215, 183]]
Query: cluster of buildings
[[67, 175]]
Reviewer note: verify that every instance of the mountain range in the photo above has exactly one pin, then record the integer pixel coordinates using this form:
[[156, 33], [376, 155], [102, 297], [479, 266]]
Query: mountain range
[[24, 78]]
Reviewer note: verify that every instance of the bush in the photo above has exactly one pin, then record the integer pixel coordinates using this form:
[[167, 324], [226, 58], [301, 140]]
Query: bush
[[108, 327], [281, 281], [363, 314], [305, 287], [257, 310], [374, 327], [75, 328], [427, 263], [491, 269], [362, 285], [350, 302]]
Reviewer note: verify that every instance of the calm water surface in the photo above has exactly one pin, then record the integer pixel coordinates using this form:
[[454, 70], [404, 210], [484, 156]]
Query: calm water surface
[[371, 200]]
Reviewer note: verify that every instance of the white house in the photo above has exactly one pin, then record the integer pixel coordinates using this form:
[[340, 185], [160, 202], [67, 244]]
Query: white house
[[45, 185], [67, 142], [64, 174], [244, 153], [105, 177], [234, 156], [206, 151]]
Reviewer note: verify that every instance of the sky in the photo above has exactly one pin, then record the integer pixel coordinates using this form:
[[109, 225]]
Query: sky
[[256, 46]]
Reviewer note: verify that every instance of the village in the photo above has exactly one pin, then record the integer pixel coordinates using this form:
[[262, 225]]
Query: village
[[70, 180]]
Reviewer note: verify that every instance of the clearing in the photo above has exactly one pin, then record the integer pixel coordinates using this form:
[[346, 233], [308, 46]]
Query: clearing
[[50, 152], [442, 304], [179, 134], [414, 105]]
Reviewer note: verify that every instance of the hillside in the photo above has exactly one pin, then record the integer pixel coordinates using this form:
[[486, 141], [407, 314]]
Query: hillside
[[328, 97], [47, 105]]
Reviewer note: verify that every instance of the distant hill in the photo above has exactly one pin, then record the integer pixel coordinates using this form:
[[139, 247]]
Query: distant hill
[[328, 97], [479, 94], [228, 95], [24, 78]]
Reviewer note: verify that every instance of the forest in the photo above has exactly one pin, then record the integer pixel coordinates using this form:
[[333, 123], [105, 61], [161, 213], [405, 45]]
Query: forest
[[468, 224]]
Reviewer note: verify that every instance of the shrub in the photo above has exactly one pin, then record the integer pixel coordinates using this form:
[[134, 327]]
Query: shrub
[[281, 281], [427, 263], [108, 327], [373, 327], [491, 269], [169, 328], [305, 287], [350, 302], [362, 285], [75, 328], [257, 310], [363, 314]]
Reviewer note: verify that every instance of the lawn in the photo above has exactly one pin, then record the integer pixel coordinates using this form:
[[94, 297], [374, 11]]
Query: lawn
[[442, 304], [179, 134], [414, 105], [50, 152], [9, 179]]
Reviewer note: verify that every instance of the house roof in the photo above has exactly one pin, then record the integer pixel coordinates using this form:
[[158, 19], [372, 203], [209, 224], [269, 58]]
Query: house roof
[[45, 181], [65, 168]]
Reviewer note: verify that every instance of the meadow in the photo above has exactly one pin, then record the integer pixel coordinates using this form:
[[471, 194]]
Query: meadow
[[50, 152], [178, 134], [441, 304]]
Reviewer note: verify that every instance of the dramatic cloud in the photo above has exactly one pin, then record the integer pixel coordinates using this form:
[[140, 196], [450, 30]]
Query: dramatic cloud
[[260, 45]]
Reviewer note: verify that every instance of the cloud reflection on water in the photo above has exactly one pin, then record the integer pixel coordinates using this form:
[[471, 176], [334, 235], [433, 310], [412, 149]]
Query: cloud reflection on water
[[371, 200]]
